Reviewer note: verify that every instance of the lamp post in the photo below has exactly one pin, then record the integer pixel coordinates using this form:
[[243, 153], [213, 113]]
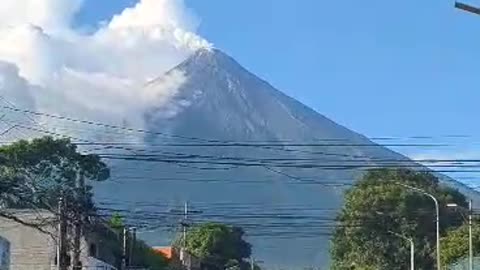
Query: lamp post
[[410, 240], [467, 8], [437, 212], [470, 237], [412, 248]]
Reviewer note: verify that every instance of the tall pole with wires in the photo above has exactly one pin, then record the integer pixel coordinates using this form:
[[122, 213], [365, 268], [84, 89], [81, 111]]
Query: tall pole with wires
[[124, 248], [62, 236], [133, 241], [470, 237], [470, 224], [184, 224]]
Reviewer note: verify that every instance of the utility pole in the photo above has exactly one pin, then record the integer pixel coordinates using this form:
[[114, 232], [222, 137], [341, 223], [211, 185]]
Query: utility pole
[[185, 213], [79, 221], [252, 263], [470, 238], [124, 249], [184, 222], [133, 240], [62, 235], [184, 225]]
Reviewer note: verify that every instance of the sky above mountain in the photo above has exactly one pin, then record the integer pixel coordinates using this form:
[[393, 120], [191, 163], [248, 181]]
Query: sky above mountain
[[359, 55], [383, 68]]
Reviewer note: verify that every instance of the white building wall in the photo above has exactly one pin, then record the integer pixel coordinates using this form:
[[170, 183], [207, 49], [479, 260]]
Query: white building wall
[[29, 248]]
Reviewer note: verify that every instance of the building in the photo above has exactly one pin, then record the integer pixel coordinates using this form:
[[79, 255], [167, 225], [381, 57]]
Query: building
[[180, 257], [167, 252], [24, 247]]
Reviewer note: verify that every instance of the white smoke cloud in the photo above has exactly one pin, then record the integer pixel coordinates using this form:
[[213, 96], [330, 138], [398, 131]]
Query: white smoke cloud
[[146, 13], [100, 76], [51, 15], [15, 87]]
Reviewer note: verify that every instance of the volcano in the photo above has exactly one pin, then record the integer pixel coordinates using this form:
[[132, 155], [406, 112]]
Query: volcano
[[240, 151]]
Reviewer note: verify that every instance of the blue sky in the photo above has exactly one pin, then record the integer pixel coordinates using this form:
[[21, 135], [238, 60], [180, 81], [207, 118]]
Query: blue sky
[[382, 68]]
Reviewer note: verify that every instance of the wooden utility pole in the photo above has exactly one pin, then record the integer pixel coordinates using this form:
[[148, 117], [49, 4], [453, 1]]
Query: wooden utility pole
[[78, 222], [62, 253]]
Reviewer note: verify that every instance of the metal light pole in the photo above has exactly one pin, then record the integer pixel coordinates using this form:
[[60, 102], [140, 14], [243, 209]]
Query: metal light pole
[[470, 235], [467, 8], [412, 248], [437, 212]]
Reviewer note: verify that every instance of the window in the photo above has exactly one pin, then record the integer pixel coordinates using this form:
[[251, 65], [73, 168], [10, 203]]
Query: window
[[92, 251]]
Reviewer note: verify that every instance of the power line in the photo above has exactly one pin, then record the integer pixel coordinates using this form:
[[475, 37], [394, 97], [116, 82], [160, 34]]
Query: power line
[[224, 143]]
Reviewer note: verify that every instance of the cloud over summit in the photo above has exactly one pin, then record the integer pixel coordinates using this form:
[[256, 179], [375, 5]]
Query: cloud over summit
[[50, 65]]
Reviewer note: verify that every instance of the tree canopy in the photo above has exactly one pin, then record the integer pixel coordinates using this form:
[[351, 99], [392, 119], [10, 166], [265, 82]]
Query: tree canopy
[[376, 208], [36, 173], [41, 169], [455, 244], [218, 246]]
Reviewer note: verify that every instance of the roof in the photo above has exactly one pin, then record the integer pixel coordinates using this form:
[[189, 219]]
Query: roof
[[167, 252], [29, 215]]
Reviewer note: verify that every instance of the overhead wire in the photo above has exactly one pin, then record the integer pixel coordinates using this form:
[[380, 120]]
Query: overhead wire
[[179, 158]]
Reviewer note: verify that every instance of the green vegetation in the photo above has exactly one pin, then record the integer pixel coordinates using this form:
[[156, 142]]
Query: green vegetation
[[375, 207], [41, 170], [455, 244], [218, 246], [36, 173], [116, 222], [143, 255]]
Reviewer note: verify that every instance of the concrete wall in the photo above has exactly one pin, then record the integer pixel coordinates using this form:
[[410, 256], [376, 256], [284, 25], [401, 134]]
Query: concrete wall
[[29, 248], [32, 249], [4, 254]]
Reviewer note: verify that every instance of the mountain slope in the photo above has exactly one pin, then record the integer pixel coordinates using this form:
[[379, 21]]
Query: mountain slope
[[287, 212]]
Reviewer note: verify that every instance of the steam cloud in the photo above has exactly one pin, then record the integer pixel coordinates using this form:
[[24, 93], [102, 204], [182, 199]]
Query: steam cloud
[[46, 65]]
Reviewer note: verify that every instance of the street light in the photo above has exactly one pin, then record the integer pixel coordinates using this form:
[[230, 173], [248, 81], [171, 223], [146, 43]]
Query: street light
[[467, 8], [470, 237], [437, 211], [412, 248], [410, 240]]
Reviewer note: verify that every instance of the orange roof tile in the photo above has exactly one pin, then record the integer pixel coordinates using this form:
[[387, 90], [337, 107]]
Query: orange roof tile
[[167, 252]]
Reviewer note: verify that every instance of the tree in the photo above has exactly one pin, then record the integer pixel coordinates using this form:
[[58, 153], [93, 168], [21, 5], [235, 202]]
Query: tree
[[116, 222], [48, 168], [45, 169], [143, 255], [218, 246], [455, 244], [376, 207]]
